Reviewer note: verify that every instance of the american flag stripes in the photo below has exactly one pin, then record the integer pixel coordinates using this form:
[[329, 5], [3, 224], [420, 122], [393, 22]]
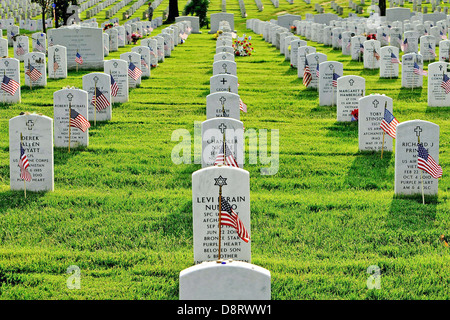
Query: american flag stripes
[[426, 163], [445, 83], [335, 77], [307, 77], [78, 58], [229, 218], [55, 65], [39, 46], [430, 49], [394, 59], [78, 121], [33, 73], [418, 70], [443, 35], [114, 87], [99, 100], [405, 45], [143, 63], [226, 157], [133, 71], [361, 48], [242, 105], [24, 164], [389, 123], [19, 50], [317, 70], [9, 85], [376, 54]]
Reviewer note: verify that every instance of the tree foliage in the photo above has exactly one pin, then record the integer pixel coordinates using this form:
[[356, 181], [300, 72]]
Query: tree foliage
[[200, 9]]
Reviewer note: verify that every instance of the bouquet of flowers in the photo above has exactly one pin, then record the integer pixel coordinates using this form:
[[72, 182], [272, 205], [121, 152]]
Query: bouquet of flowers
[[293, 29], [135, 37], [242, 46], [354, 115], [217, 34], [107, 26]]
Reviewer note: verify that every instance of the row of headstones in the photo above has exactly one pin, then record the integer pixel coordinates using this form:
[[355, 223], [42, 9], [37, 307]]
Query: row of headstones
[[259, 5], [230, 275], [118, 6], [242, 9], [19, 9], [39, 134], [348, 94], [97, 6]]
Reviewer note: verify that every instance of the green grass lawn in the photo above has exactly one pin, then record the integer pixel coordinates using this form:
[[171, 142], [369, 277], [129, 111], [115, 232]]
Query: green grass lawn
[[122, 211]]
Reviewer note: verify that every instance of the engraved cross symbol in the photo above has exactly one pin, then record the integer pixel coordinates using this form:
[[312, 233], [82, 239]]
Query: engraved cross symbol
[[222, 100], [418, 130], [375, 103], [30, 124], [223, 81], [351, 82], [222, 127], [440, 67], [70, 97]]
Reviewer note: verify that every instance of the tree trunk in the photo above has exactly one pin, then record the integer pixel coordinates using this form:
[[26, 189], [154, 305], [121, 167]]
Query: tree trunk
[[382, 5], [173, 11], [43, 21]]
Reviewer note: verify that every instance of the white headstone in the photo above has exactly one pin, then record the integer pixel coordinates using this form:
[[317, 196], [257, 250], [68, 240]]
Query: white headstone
[[222, 104], [37, 141], [57, 58], [409, 78], [145, 59], [78, 101], [132, 58], [327, 91], [10, 67], [408, 178], [437, 97], [205, 205], [35, 69], [370, 114], [100, 83], [223, 83], [389, 55], [349, 90]]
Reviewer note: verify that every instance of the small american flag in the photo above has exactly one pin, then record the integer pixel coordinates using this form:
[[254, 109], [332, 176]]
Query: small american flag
[[229, 218], [307, 77], [55, 64], [9, 85], [335, 77], [442, 34], [143, 63], [430, 49], [114, 87], [361, 48], [24, 164], [418, 70], [226, 158], [78, 58], [133, 71], [349, 44], [99, 100], [33, 73], [389, 123], [394, 59], [427, 163], [376, 54], [317, 70], [242, 106], [405, 45], [340, 39], [446, 83], [78, 121], [39, 46], [385, 37], [19, 50]]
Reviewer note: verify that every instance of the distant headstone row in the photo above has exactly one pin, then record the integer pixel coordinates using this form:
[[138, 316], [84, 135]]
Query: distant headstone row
[[377, 127], [221, 195]]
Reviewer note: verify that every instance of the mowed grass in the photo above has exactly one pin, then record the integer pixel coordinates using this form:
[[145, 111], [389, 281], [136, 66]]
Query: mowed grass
[[122, 210]]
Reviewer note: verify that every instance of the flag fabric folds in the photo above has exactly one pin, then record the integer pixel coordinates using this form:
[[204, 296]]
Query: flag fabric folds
[[418, 70], [33, 73], [226, 157], [389, 123], [335, 77], [9, 85], [78, 58], [134, 72], [24, 164], [446, 83], [99, 100], [394, 59], [427, 163], [307, 77], [78, 121], [114, 87], [229, 218]]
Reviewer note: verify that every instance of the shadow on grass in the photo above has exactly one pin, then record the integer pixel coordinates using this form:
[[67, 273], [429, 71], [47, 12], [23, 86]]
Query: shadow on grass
[[408, 94], [16, 199], [369, 171], [408, 213], [338, 129]]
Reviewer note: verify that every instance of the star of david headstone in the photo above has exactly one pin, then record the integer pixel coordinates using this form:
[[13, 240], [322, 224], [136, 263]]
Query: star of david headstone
[[220, 181]]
